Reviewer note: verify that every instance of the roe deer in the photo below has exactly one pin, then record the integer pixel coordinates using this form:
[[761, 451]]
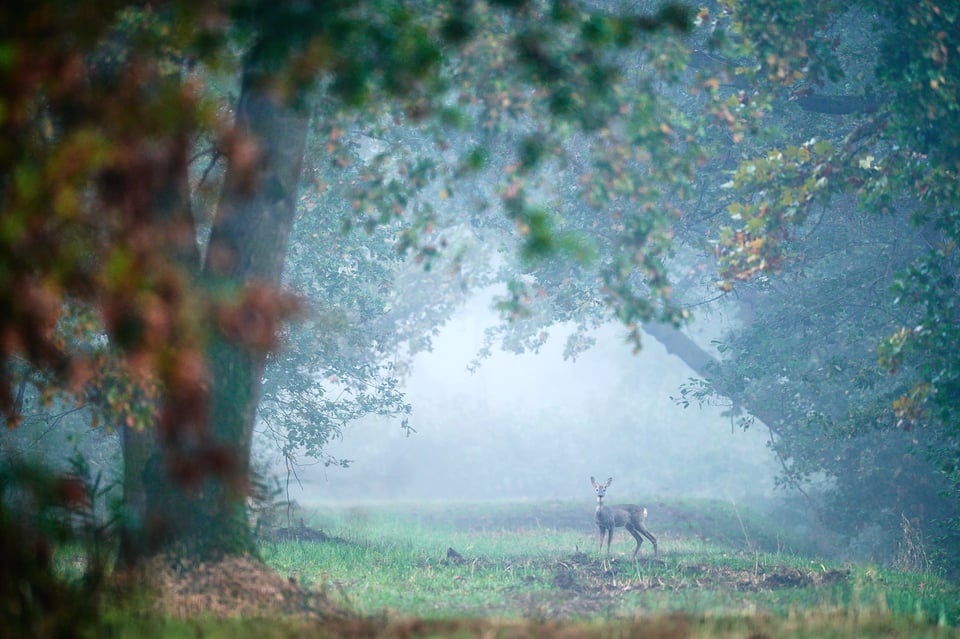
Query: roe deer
[[628, 516]]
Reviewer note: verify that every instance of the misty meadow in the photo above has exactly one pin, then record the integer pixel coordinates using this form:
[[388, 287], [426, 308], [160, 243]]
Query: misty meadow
[[508, 318]]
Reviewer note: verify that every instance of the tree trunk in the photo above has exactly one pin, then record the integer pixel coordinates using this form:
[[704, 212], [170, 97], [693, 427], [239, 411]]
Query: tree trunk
[[704, 365], [244, 261], [707, 367], [150, 518], [138, 446]]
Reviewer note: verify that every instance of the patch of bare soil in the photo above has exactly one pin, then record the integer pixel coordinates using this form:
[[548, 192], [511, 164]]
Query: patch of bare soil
[[234, 586], [584, 586], [760, 579]]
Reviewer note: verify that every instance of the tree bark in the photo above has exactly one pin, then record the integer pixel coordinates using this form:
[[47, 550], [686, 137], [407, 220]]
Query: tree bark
[[149, 519], [244, 261]]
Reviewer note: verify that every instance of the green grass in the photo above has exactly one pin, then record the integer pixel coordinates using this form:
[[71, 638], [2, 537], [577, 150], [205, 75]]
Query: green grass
[[532, 570], [389, 563], [391, 559]]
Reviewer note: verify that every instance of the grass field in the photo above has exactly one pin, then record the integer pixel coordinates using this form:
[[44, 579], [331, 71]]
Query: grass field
[[532, 570], [540, 562]]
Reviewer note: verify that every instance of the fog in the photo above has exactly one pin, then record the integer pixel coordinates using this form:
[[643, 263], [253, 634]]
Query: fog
[[534, 426]]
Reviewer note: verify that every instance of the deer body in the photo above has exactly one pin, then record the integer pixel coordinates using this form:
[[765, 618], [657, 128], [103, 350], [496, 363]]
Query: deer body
[[627, 516]]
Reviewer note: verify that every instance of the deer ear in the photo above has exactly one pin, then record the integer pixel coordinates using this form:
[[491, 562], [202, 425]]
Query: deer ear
[[609, 479], [593, 480]]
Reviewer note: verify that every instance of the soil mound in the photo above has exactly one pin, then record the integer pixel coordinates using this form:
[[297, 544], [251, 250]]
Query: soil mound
[[233, 586]]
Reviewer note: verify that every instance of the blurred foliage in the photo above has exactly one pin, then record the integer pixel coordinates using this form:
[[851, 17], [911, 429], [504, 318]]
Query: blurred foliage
[[37, 510]]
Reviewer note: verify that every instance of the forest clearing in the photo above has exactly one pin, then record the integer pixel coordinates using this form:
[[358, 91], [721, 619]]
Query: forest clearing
[[532, 570]]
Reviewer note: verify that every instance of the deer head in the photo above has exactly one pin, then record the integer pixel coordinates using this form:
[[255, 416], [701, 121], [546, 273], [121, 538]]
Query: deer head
[[600, 488]]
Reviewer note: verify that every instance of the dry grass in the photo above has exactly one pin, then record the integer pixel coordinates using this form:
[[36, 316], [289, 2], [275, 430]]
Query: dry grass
[[234, 586]]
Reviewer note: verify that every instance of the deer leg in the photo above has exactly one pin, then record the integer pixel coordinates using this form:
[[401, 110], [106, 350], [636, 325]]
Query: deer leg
[[649, 535], [636, 535]]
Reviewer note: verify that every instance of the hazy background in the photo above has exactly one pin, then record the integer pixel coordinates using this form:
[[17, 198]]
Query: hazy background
[[535, 426]]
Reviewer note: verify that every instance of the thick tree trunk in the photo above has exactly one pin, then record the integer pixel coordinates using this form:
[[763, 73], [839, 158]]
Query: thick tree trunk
[[244, 261], [149, 519]]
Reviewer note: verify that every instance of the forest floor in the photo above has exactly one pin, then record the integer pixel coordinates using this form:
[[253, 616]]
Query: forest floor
[[583, 587], [532, 570], [232, 587]]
